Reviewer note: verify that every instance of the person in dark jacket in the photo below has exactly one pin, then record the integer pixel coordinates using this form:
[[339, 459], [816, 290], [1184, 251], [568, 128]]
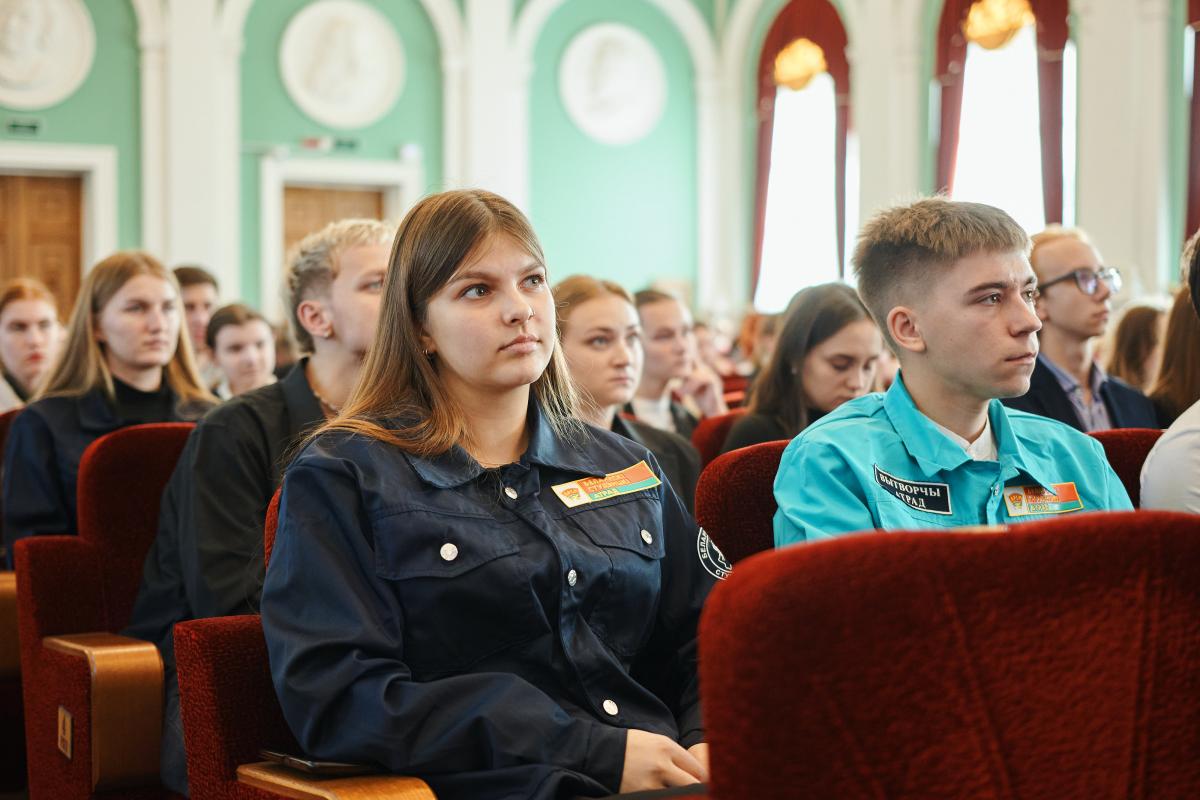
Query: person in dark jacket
[[468, 584], [1075, 293], [827, 354], [673, 377], [123, 363], [602, 339], [207, 559]]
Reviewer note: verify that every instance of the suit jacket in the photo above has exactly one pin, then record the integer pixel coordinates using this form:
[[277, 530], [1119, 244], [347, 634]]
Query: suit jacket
[[1127, 407]]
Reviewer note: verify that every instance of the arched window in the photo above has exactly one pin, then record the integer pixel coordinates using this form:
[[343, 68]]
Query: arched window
[[807, 158], [1006, 73]]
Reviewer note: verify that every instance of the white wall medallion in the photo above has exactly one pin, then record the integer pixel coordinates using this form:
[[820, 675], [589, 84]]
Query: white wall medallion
[[46, 50], [613, 83], [342, 63]]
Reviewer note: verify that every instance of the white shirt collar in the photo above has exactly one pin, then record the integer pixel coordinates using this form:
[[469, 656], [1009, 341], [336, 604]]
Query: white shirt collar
[[984, 446]]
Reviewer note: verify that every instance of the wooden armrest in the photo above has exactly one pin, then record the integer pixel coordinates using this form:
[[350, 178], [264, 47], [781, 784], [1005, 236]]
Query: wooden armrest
[[126, 706], [286, 782], [10, 649]]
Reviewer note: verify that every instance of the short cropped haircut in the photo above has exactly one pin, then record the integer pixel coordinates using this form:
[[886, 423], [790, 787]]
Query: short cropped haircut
[[1053, 233], [903, 248], [193, 275], [233, 314], [648, 296], [312, 264]]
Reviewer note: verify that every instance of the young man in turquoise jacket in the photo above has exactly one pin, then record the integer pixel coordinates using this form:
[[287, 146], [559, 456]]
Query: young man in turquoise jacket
[[951, 287]]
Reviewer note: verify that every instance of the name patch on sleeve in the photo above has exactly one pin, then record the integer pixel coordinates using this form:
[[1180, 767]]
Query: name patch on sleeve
[[637, 478], [931, 497]]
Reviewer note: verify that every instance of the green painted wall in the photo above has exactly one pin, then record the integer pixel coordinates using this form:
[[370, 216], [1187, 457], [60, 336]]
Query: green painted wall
[[651, 229], [269, 117], [104, 110]]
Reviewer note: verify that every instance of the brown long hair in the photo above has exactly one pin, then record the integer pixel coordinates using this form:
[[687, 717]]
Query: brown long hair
[[398, 381], [813, 315], [1178, 383], [1133, 342], [83, 366]]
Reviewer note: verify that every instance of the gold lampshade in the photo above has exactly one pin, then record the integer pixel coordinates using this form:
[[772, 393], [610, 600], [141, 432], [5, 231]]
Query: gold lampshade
[[991, 24], [799, 63]]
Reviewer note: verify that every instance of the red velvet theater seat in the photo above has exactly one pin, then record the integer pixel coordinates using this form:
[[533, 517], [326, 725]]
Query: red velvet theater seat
[[735, 499], [1126, 449], [709, 436], [88, 691], [230, 713], [1057, 661]]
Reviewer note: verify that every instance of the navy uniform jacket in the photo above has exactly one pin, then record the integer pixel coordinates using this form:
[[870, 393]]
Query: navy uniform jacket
[[41, 458], [1127, 407], [467, 627]]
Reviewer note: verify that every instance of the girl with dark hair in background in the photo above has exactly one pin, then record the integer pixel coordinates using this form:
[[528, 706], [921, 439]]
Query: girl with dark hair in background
[[827, 354]]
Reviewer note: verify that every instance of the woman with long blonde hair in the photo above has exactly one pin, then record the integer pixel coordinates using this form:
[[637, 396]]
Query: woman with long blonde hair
[[467, 584], [123, 363]]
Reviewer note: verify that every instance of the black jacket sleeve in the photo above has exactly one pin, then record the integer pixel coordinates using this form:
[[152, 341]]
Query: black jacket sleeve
[[335, 637], [35, 501]]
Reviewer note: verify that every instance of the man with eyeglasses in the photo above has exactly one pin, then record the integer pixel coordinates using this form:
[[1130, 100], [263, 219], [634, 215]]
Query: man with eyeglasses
[[1074, 304]]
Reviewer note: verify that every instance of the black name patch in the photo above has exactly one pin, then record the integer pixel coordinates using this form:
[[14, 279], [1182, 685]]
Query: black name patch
[[931, 497]]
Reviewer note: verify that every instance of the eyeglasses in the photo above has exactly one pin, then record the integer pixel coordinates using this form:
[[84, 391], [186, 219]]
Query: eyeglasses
[[1088, 280]]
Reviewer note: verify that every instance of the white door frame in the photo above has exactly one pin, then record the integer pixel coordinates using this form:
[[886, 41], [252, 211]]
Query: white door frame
[[96, 165], [402, 182]]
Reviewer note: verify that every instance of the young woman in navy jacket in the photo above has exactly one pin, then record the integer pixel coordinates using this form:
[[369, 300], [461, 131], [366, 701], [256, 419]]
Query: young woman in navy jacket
[[468, 585]]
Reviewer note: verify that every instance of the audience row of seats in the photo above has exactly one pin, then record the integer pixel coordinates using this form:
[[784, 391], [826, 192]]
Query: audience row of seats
[[794, 647]]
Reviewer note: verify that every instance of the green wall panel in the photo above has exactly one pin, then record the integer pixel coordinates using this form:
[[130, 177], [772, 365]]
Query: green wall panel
[[270, 118], [622, 212], [104, 110]]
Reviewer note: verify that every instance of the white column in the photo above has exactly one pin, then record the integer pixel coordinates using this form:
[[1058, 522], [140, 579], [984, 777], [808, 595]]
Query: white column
[[152, 44], [201, 142], [722, 291], [1155, 253], [1108, 180], [907, 130], [497, 114]]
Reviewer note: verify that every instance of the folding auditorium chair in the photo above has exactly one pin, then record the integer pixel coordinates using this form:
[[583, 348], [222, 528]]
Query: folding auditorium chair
[[735, 499], [710, 433], [12, 727], [1126, 449], [230, 713], [1058, 659], [93, 699]]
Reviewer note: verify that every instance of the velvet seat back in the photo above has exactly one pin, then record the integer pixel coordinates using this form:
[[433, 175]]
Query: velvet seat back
[[735, 499], [1126, 450], [1058, 660], [121, 480], [709, 436], [228, 704]]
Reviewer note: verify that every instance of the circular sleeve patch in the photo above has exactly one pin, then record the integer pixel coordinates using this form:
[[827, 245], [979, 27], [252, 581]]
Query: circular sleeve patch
[[711, 557]]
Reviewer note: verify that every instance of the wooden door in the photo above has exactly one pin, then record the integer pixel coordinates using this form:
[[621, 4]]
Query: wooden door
[[306, 209], [41, 234]]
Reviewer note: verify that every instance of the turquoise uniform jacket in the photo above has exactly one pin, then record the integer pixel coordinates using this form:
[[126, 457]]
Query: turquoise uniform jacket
[[878, 462]]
